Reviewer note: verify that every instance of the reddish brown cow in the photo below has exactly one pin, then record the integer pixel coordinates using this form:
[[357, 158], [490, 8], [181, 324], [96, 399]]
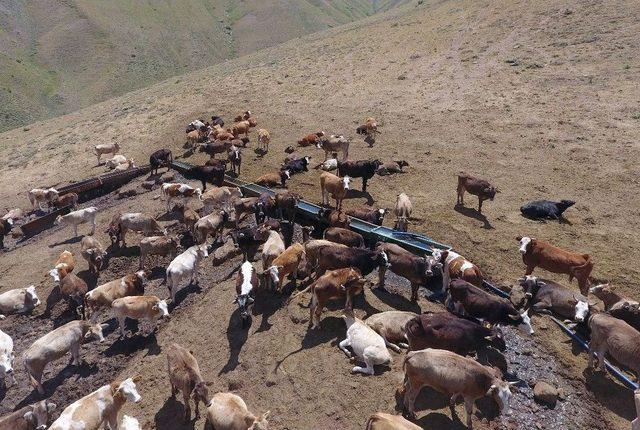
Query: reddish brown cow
[[478, 187]]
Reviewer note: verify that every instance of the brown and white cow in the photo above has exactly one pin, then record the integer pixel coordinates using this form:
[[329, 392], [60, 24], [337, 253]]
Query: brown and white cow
[[418, 270], [99, 408], [334, 185], [455, 266], [382, 421], [180, 191], [556, 260], [286, 263], [246, 284], [229, 412], [146, 308], [18, 301], [56, 344], [67, 260], [184, 375], [103, 295], [31, 417], [42, 197], [452, 375], [311, 139]]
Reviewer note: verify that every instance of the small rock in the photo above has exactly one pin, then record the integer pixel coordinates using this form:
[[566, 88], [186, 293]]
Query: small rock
[[234, 384], [402, 77], [271, 381], [148, 185], [128, 192], [545, 393], [166, 177], [16, 234]]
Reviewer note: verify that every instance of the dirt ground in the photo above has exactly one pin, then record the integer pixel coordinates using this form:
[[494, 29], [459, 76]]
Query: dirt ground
[[541, 98]]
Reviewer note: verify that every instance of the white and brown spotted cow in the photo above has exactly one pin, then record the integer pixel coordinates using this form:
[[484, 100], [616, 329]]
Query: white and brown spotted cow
[[455, 266], [179, 191]]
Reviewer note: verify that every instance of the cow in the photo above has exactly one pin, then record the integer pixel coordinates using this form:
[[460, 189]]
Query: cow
[[216, 147], [478, 187], [311, 139], [544, 296], [452, 375], [138, 222], [234, 157], [158, 245], [6, 359], [210, 225], [455, 266], [367, 345], [391, 326], [195, 125], [619, 339], [286, 204], [230, 412], [382, 421], [103, 295], [272, 248], [185, 266], [345, 283], [246, 284], [329, 165], [248, 205], [56, 344], [334, 185], [344, 236], [249, 239], [100, 407], [556, 260], [274, 179], [81, 216], [545, 209], [469, 300], [184, 375], [180, 191], [187, 216], [146, 308], [312, 248], [160, 158], [31, 417], [286, 263], [391, 167], [299, 165], [334, 144], [71, 287], [93, 252], [241, 127], [196, 136], [329, 258], [106, 148], [618, 305], [220, 198], [5, 228], [365, 169], [68, 199], [18, 301], [334, 217], [263, 139], [217, 120], [373, 216], [418, 270], [67, 260], [39, 197], [402, 211], [115, 161], [444, 330]]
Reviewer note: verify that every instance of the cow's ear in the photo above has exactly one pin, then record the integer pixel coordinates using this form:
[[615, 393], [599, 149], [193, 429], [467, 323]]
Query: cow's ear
[[154, 308], [518, 238], [51, 407], [29, 417]]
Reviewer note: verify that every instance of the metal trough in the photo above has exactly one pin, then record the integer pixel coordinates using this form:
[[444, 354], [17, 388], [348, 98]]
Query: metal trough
[[44, 222]]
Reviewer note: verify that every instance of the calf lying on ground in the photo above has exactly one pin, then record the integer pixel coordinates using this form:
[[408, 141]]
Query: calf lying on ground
[[229, 412], [75, 218], [453, 375], [99, 408], [32, 417], [18, 301], [382, 421], [478, 187], [392, 167], [184, 375], [390, 325], [541, 209], [6, 359], [311, 139], [56, 344], [274, 179], [157, 245], [367, 345], [545, 296], [146, 308]]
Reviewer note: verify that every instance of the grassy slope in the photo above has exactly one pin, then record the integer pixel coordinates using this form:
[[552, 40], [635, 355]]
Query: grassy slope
[[56, 57]]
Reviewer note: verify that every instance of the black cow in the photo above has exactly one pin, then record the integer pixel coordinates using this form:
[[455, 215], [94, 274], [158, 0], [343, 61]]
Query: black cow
[[249, 239], [217, 120], [364, 169], [160, 158], [299, 165], [444, 330], [213, 174], [545, 209], [467, 299], [265, 207], [374, 216], [365, 260]]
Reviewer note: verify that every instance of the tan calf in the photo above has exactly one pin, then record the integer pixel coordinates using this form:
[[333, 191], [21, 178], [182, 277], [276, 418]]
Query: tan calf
[[264, 138], [146, 308], [229, 412], [66, 259], [56, 344], [402, 211], [619, 339], [184, 375], [32, 417], [284, 264], [334, 185], [99, 408], [93, 252], [103, 295], [157, 245], [382, 421]]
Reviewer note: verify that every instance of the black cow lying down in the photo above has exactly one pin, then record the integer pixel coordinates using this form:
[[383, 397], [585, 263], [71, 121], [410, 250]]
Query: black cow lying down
[[545, 209]]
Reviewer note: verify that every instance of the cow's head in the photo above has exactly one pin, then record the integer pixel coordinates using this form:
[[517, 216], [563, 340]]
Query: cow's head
[[261, 422], [273, 272], [581, 308], [142, 276], [496, 339], [380, 213], [523, 322], [200, 392], [128, 389], [202, 252], [31, 296], [6, 363], [383, 259], [525, 243], [490, 192], [565, 204], [376, 163], [161, 308], [244, 301], [38, 416], [402, 223], [345, 182], [305, 160], [432, 265], [55, 273], [531, 285], [501, 392], [8, 223], [94, 331], [602, 290]]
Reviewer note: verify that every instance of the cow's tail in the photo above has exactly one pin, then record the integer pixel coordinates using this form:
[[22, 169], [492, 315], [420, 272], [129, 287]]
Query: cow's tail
[[299, 293], [586, 266]]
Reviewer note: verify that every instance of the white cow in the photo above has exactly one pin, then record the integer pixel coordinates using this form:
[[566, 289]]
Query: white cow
[[18, 301], [129, 423], [98, 408], [367, 345], [180, 191], [106, 148], [78, 217], [6, 357], [114, 162], [185, 266]]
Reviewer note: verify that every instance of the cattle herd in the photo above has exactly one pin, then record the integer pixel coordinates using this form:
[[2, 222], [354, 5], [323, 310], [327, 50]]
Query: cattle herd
[[446, 348]]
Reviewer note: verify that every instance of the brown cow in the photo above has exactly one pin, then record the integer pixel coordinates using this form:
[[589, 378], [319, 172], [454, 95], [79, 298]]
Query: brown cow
[[32, 417], [146, 308], [274, 179], [103, 295], [478, 187], [311, 139], [184, 375], [286, 263], [556, 260], [418, 270], [619, 339], [334, 185], [344, 236], [71, 287]]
